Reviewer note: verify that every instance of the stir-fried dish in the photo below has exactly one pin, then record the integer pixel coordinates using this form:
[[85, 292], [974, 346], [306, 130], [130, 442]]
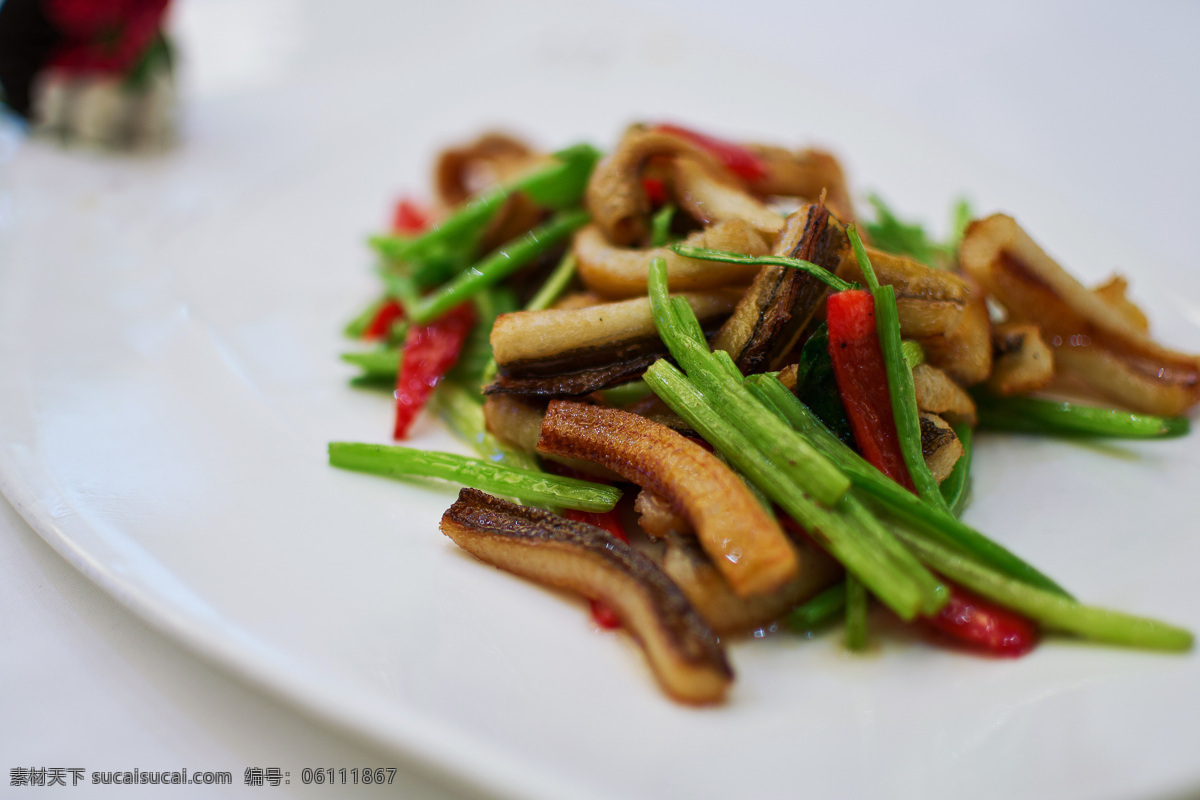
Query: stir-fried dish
[[711, 399]]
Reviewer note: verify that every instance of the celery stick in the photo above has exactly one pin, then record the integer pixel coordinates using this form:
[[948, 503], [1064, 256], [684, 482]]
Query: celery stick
[[476, 352], [856, 614], [680, 331], [899, 376], [558, 186], [497, 266], [913, 353], [554, 286], [1056, 612], [860, 255], [817, 271], [1032, 415], [462, 412], [660, 225], [356, 327], [527, 486], [893, 583], [382, 363], [819, 611], [899, 501], [904, 397]]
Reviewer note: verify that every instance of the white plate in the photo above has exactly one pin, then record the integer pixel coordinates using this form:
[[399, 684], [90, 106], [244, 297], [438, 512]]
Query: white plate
[[169, 330]]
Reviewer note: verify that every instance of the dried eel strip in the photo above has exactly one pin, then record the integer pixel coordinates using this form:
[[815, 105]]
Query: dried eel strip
[[656, 517], [557, 352], [692, 571], [517, 422], [938, 394], [930, 302], [1091, 340], [741, 537], [778, 305], [684, 654], [493, 158], [1022, 362], [806, 174], [616, 197], [462, 172], [711, 198], [939, 445], [619, 272]]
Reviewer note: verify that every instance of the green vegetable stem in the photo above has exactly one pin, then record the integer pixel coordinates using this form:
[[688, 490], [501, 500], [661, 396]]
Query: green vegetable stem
[[1060, 418], [536, 488], [497, 266]]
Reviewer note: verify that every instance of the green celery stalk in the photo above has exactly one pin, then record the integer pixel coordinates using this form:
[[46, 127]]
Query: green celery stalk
[[904, 396], [1056, 612], [860, 255], [819, 611], [913, 354], [462, 412], [856, 614], [356, 327], [558, 186], [960, 217], [681, 332], [899, 375], [476, 352], [497, 266], [894, 236], [817, 271], [402, 289], [894, 576], [1053, 417], [724, 411], [925, 519], [555, 285], [537, 488], [382, 363], [889, 233], [660, 226]]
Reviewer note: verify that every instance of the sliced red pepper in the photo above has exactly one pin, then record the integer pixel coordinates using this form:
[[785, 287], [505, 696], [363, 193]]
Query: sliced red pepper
[[387, 315], [410, 217], [429, 352], [655, 191], [862, 382], [738, 159], [983, 625], [604, 616]]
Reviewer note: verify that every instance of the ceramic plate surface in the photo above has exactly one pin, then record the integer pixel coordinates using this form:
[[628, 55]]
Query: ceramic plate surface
[[169, 333]]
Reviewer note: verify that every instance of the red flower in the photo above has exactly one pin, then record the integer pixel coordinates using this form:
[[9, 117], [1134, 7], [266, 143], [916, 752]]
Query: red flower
[[103, 35]]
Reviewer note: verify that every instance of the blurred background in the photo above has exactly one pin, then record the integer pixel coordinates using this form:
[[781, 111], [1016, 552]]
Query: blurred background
[[1093, 105]]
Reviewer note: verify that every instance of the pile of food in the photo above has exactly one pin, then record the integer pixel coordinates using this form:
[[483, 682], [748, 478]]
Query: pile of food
[[783, 395]]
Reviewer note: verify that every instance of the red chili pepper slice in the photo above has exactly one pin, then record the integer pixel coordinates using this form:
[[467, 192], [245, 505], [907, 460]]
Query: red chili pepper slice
[[982, 625], [604, 616], [410, 217], [387, 315], [862, 382], [429, 352], [740, 161], [655, 191]]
